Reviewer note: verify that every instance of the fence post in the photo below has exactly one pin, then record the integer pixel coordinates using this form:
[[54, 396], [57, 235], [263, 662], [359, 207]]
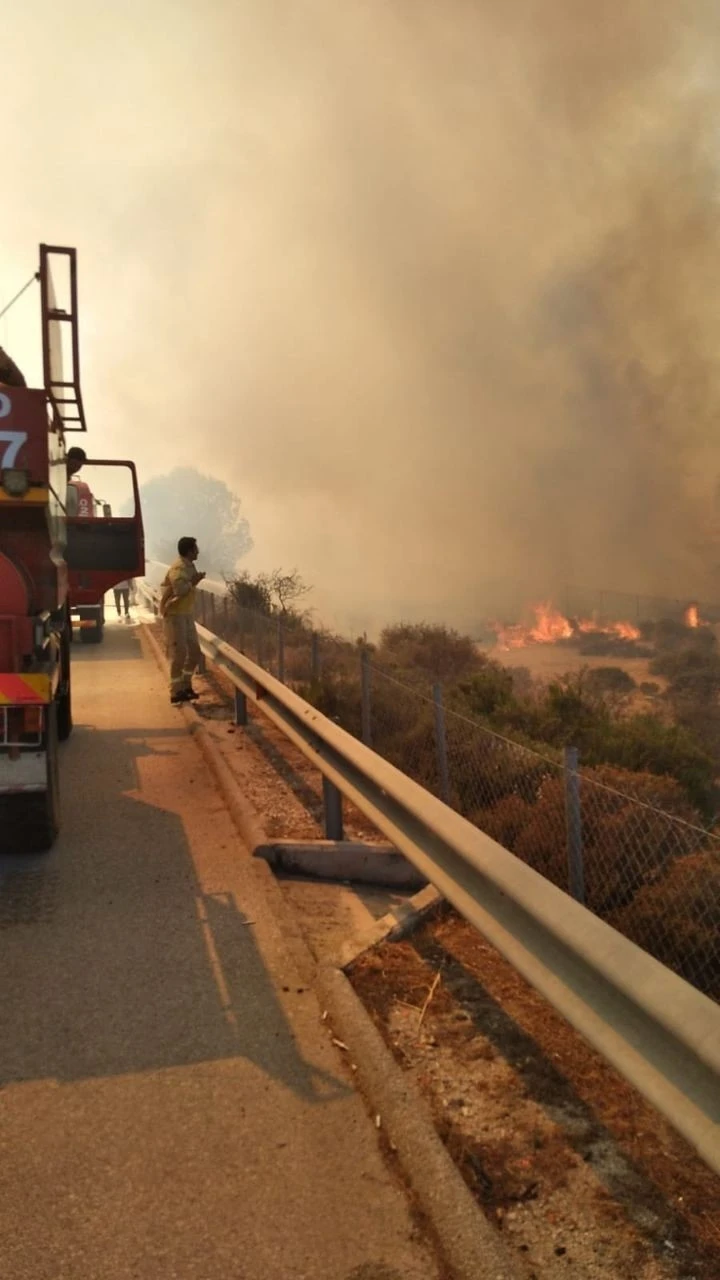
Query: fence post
[[259, 641], [241, 715], [441, 744], [281, 650], [332, 806], [314, 657], [573, 824], [365, 698], [211, 602]]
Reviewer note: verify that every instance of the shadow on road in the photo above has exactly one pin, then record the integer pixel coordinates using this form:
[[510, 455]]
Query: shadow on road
[[114, 960]]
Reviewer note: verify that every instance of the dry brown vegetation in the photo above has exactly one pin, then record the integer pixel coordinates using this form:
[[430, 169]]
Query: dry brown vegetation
[[648, 787]]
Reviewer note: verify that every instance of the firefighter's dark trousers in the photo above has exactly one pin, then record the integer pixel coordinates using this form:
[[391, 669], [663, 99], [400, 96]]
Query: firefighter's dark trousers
[[183, 650]]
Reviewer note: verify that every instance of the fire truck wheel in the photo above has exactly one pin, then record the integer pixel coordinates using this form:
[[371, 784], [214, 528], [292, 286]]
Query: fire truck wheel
[[64, 702], [49, 819]]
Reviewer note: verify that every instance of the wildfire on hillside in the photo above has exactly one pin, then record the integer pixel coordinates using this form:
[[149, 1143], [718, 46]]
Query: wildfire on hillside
[[551, 625]]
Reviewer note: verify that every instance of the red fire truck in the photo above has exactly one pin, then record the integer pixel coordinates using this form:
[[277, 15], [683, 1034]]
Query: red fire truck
[[87, 612], [41, 543]]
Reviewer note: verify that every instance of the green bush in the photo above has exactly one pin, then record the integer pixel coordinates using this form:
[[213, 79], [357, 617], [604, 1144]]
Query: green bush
[[488, 691], [430, 651], [566, 714]]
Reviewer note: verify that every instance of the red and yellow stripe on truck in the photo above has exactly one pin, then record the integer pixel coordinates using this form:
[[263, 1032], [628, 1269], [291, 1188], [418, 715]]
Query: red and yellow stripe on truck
[[20, 690]]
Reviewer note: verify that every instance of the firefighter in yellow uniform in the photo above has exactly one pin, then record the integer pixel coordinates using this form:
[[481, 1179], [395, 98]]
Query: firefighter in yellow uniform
[[177, 607]]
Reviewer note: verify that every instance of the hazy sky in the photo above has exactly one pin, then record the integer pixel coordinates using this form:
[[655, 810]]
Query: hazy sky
[[433, 286]]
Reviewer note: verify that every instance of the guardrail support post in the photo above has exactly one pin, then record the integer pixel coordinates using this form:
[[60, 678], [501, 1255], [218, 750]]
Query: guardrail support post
[[573, 823], [332, 806], [314, 657], [365, 712], [281, 650], [441, 744], [241, 715]]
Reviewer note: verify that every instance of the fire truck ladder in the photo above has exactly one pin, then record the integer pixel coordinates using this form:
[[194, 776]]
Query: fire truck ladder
[[61, 352]]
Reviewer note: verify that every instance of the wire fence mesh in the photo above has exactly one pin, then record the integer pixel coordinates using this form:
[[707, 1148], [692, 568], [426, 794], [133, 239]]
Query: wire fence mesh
[[649, 870]]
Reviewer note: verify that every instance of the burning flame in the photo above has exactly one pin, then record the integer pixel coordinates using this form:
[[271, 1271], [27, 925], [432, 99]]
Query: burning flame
[[692, 617], [551, 626]]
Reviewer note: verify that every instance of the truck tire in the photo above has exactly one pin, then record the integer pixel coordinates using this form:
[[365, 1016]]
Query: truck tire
[[64, 701], [43, 830], [31, 822]]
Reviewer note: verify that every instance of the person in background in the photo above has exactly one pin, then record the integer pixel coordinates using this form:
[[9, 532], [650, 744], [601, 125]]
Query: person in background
[[75, 458], [177, 608], [122, 596]]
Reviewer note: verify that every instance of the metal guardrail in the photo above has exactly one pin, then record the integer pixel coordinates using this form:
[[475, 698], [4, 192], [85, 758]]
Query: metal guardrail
[[659, 1032]]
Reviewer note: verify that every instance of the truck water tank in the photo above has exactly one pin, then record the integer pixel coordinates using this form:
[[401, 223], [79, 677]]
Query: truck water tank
[[14, 603]]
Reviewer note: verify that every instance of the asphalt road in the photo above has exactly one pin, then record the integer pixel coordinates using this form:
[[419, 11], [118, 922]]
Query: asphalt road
[[170, 1105]]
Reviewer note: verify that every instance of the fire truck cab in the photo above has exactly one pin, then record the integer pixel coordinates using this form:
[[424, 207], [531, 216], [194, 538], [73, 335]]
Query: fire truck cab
[[87, 586]]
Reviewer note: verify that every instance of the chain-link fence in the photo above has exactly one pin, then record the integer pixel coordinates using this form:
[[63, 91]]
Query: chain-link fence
[[652, 873]]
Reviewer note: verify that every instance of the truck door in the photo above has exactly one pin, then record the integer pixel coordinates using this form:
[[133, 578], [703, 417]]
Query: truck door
[[103, 548]]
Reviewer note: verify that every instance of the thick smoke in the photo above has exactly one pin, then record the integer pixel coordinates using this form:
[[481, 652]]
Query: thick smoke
[[431, 285]]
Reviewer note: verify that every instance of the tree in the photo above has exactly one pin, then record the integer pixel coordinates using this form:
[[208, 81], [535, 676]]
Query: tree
[[287, 588], [272, 593], [185, 502]]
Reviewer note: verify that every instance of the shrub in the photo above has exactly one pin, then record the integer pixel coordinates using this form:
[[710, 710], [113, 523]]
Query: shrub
[[668, 634], [251, 593], [625, 850], [625, 842], [609, 680], [338, 697], [426, 649], [505, 820], [485, 768], [542, 842], [691, 673], [677, 919], [488, 691]]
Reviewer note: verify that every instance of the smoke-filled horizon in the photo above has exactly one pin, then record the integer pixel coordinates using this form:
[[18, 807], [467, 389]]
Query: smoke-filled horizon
[[431, 287]]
